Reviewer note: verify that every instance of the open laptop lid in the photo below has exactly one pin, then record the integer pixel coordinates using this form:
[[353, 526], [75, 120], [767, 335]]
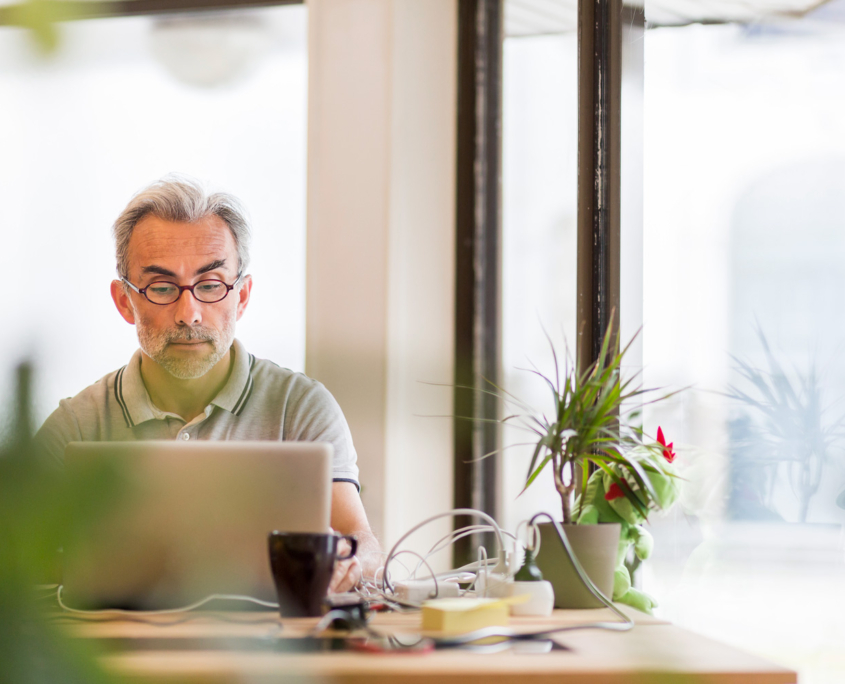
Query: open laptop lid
[[192, 519]]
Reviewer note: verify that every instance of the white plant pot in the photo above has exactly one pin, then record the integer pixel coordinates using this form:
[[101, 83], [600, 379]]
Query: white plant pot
[[541, 601]]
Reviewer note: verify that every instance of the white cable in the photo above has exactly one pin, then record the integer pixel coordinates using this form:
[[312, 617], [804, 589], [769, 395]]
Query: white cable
[[454, 536], [457, 511], [404, 567], [482, 572], [461, 572], [469, 567], [532, 542], [167, 611], [399, 604], [430, 570], [626, 624]]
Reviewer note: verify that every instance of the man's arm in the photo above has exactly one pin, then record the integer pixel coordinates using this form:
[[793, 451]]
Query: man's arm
[[349, 517]]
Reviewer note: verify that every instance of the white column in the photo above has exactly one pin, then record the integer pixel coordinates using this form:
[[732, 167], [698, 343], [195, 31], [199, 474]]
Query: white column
[[380, 251]]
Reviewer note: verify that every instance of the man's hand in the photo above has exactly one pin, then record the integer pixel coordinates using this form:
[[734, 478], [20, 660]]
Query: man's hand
[[347, 573], [348, 517]]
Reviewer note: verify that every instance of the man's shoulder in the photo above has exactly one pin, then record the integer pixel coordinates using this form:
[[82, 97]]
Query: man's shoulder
[[95, 395], [289, 405], [291, 392], [270, 376], [82, 417]]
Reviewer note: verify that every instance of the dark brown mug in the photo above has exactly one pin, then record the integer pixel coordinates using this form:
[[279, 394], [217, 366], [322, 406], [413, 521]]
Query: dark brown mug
[[302, 564]]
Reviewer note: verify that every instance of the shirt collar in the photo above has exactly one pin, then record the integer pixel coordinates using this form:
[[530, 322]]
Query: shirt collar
[[237, 389], [137, 407]]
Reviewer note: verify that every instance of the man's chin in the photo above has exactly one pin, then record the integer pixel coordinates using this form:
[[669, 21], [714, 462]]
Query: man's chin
[[186, 359], [185, 371], [184, 368]]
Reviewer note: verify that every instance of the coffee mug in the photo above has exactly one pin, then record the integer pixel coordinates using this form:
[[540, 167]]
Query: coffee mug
[[302, 564]]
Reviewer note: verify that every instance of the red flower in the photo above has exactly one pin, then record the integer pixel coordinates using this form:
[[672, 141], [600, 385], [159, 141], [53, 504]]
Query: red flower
[[614, 492], [668, 454]]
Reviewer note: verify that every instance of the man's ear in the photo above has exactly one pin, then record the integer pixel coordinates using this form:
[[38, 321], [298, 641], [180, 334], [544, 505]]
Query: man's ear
[[121, 301], [243, 295]]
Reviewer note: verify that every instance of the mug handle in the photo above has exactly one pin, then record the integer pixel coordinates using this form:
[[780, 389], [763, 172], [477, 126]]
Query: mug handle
[[353, 544]]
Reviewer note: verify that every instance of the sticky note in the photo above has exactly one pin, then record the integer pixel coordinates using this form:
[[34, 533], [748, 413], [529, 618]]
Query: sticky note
[[458, 615]]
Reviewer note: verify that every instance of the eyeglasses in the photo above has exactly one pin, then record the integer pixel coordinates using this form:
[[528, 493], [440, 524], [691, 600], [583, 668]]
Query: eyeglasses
[[162, 292]]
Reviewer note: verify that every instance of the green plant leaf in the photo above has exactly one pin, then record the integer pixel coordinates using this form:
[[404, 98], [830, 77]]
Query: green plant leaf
[[537, 449], [533, 476]]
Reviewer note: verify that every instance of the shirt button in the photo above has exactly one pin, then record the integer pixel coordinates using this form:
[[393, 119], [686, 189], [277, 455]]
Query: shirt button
[[186, 436]]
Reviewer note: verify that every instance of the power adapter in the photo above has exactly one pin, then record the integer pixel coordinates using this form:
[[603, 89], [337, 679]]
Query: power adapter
[[417, 591], [492, 584]]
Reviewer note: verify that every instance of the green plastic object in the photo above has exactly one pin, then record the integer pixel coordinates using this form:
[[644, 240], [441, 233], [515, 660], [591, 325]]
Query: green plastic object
[[605, 502]]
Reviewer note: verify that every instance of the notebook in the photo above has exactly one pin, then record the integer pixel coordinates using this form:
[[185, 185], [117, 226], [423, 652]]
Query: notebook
[[187, 520]]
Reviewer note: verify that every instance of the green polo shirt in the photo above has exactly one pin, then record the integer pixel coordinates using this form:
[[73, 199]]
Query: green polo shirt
[[260, 401]]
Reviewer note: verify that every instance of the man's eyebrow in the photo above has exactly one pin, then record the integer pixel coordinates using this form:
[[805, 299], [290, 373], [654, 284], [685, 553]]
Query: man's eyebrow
[[158, 270], [213, 266]]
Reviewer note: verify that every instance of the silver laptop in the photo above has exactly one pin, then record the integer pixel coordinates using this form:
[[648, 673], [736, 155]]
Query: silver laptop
[[190, 520]]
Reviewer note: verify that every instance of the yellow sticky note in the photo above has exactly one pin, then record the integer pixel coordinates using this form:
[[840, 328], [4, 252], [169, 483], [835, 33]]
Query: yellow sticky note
[[457, 615]]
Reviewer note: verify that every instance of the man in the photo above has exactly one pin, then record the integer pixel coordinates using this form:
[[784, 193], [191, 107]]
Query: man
[[182, 256]]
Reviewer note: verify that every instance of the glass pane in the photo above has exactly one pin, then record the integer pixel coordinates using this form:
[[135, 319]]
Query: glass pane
[[539, 186], [162, 292], [210, 290], [220, 97], [744, 244]]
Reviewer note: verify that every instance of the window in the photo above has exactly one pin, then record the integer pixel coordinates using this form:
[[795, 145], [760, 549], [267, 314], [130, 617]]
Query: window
[[744, 246], [539, 192]]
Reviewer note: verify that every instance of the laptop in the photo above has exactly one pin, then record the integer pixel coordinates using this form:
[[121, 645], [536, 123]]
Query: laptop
[[187, 520]]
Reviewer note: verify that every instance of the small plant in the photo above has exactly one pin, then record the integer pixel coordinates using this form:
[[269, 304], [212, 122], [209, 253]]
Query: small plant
[[592, 427]]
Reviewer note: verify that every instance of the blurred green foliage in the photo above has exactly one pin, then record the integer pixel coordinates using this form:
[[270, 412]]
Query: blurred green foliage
[[41, 509], [42, 18]]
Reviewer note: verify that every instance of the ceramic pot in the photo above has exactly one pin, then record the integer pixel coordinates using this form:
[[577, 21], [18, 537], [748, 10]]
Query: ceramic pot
[[595, 546], [541, 598]]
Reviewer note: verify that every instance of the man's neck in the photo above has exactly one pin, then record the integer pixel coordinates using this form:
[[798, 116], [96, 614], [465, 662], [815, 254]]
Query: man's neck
[[185, 398]]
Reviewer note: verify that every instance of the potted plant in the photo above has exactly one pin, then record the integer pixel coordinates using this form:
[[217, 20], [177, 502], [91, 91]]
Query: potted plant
[[592, 444]]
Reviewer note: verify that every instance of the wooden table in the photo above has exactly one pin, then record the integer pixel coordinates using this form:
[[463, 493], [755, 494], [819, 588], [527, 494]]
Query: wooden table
[[654, 651]]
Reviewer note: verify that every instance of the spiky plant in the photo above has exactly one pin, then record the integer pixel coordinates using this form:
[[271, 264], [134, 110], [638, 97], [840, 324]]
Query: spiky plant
[[591, 426]]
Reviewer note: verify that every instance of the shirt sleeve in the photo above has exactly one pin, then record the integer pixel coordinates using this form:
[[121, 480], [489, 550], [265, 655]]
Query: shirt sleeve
[[317, 417]]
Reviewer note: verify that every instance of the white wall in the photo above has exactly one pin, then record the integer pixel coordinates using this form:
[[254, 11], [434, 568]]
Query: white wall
[[380, 251]]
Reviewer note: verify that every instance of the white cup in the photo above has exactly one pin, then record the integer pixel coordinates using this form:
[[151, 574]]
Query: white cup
[[541, 599]]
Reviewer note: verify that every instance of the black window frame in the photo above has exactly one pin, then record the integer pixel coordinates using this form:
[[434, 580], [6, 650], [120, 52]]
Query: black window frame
[[607, 30]]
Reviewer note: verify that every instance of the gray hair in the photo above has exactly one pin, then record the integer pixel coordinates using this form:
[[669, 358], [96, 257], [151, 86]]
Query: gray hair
[[183, 199]]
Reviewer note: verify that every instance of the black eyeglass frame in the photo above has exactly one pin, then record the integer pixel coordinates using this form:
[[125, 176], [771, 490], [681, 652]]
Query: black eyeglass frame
[[182, 288]]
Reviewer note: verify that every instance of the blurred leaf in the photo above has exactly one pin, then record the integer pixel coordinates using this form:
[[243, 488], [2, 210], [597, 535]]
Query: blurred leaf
[[40, 509], [41, 18]]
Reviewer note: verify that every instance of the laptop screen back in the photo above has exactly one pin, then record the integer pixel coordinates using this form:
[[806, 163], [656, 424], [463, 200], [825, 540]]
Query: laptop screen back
[[190, 520]]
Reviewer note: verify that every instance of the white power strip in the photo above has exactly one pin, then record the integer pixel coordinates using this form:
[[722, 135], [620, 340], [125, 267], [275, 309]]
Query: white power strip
[[492, 584], [417, 591]]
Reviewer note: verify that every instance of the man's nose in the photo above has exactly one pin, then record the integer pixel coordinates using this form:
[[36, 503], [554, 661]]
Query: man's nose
[[188, 310]]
